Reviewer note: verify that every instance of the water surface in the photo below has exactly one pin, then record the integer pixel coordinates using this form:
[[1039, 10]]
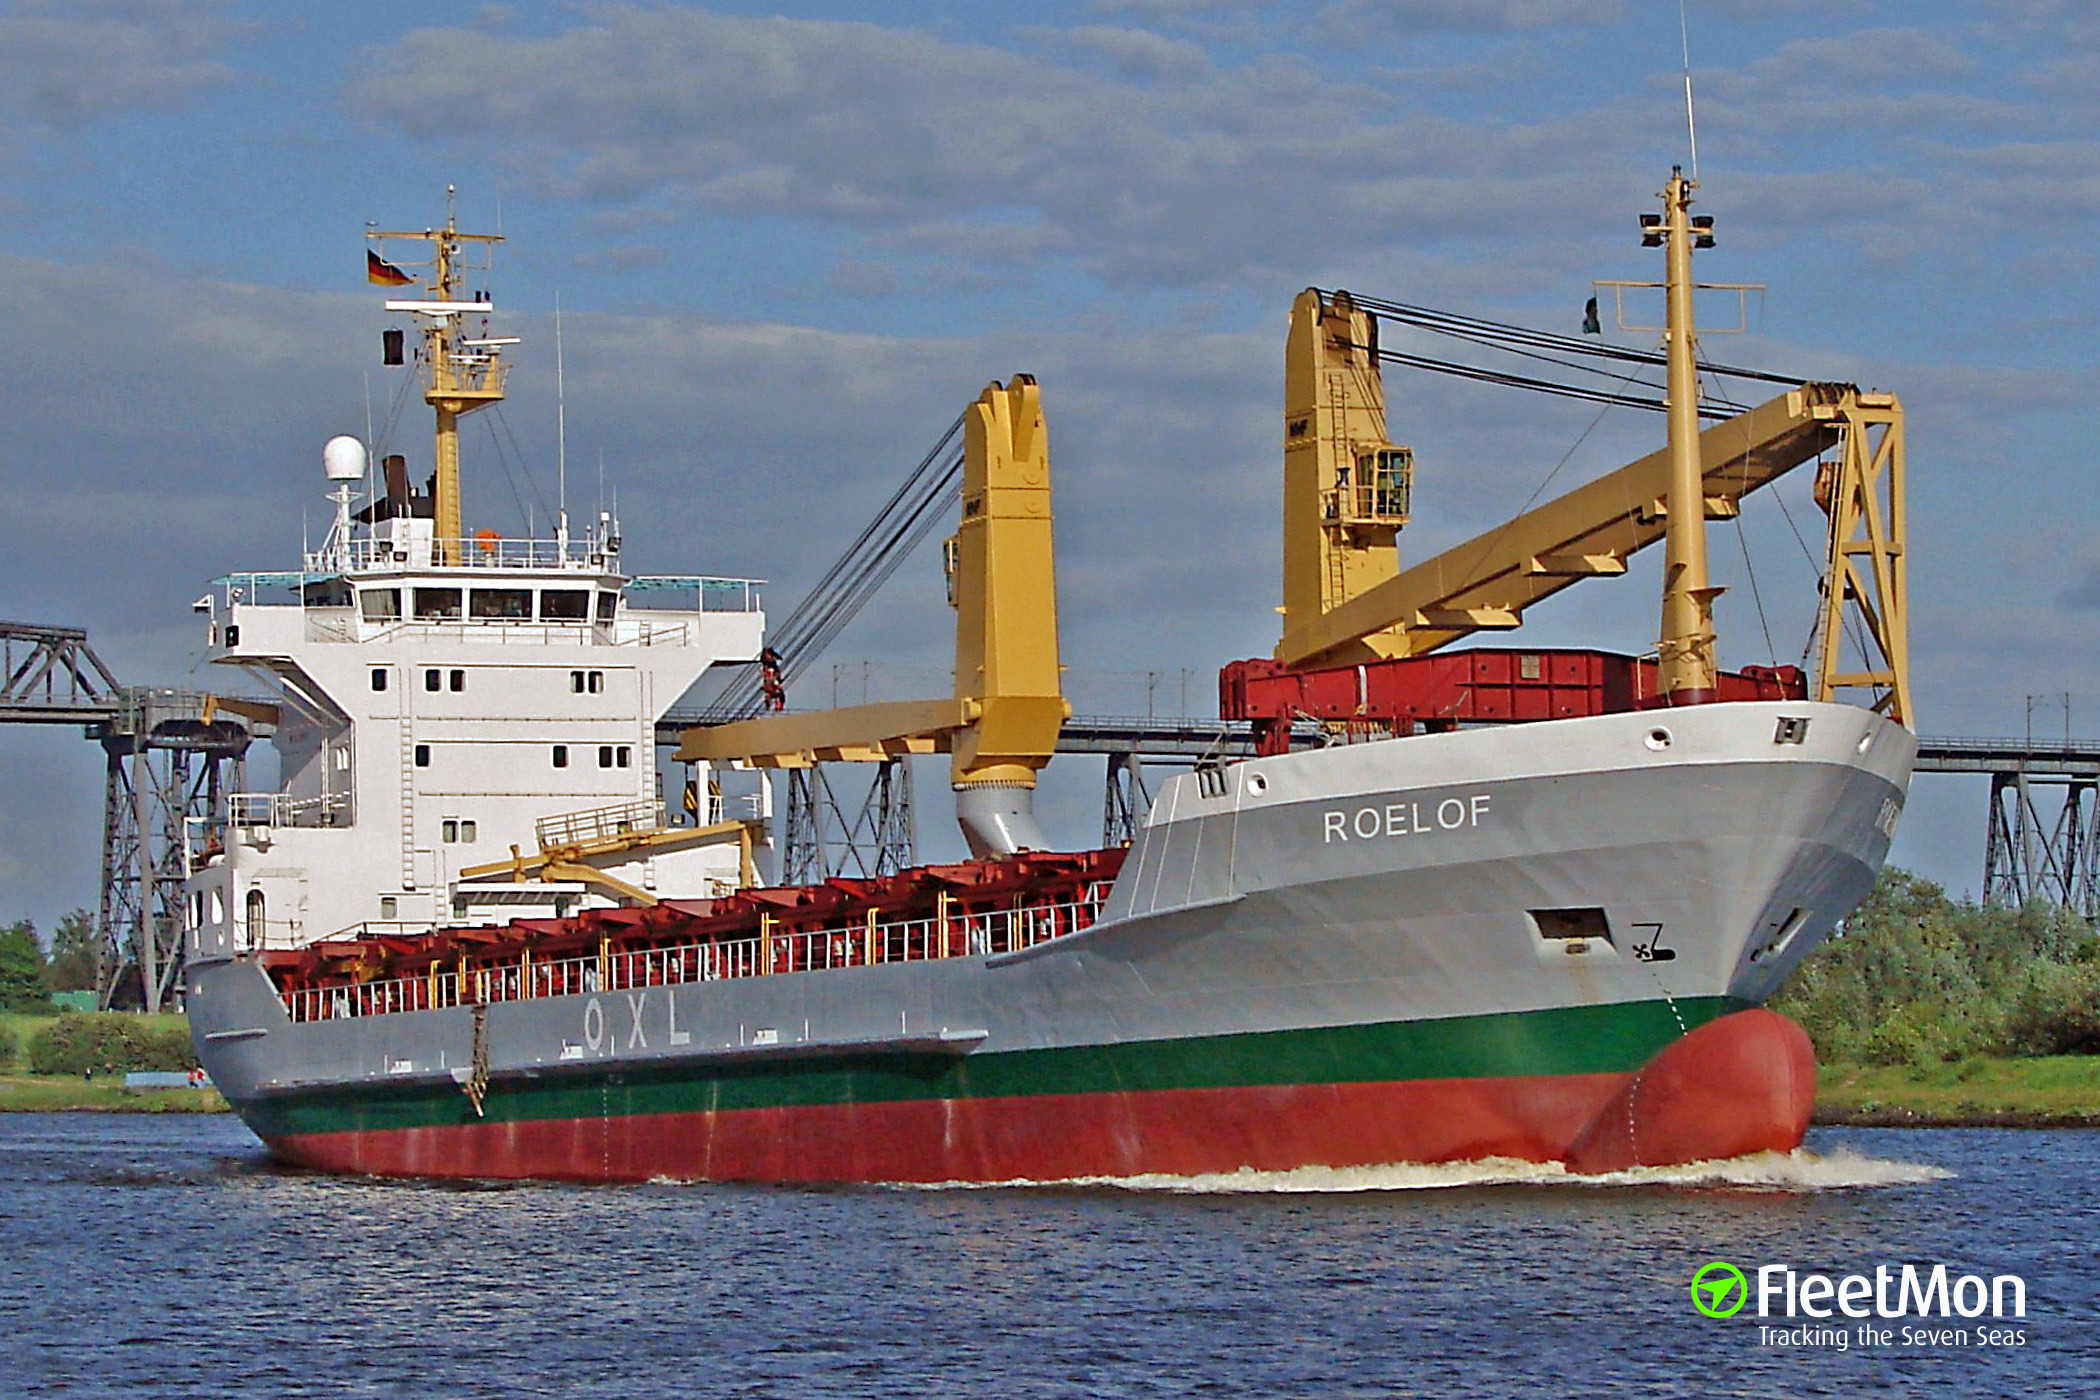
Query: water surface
[[164, 1256]]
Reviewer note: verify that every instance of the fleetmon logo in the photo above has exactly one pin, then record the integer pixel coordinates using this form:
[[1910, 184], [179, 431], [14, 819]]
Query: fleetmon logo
[[1720, 1290]]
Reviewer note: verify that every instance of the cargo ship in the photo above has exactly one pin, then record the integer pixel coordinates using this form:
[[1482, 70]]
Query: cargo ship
[[1455, 904]]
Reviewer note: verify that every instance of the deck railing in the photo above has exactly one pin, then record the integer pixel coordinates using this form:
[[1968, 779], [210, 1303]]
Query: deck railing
[[864, 942]]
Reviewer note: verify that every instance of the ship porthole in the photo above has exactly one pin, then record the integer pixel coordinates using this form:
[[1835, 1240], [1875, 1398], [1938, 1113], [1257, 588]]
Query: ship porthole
[[1658, 739], [1257, 784]]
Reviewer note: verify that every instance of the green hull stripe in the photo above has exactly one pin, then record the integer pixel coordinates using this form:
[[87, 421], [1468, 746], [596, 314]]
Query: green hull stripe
[[1616, 1039]]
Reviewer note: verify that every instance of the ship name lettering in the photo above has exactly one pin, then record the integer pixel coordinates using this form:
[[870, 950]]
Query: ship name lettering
[[635, 1002], [593, 1024], [1403, 819], [678, 1037]]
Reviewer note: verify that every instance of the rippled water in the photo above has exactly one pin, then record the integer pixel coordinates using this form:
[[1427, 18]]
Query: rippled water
[[163, 1256]]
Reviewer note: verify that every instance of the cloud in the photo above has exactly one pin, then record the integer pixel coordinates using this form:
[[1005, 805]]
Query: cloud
[[1474, 16], [1135, 155], [65, 64]]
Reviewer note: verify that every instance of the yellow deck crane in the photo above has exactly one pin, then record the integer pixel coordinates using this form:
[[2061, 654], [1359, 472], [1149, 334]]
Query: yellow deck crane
[[1002, 722], [1348, 602]]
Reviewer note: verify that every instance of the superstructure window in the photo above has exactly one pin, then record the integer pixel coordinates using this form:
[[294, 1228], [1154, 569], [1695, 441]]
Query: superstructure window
[[565, 605], [561, 755], [437, 604], [581, 681], [607, 604], [433, 679], [327, 593], [380, 604], [258, 922], [615, 756], [422, 755], [605, 755], [458, 831], [501, 604], [389, 906], [379, 678], [457, 680]]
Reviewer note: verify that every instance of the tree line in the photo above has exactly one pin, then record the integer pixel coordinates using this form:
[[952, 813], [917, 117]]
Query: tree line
[[29, 974], [1913, 976]]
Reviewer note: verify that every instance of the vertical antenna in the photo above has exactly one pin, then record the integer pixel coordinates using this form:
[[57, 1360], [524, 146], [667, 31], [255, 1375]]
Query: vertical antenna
[[561, 443], [1691, 126], [371, 447]]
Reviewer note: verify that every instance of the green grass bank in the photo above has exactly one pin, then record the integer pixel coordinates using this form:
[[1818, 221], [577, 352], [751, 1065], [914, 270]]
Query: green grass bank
[[22, 1091], [2046, 1091]]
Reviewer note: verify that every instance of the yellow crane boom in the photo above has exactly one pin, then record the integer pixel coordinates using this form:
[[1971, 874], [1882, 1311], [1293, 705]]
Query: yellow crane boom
[[1347, 601], [1002, 722]]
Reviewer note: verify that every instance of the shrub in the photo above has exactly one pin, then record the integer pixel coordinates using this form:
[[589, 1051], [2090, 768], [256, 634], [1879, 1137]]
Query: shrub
[[9, 1043], [1899, 1040], [2058, 1011], [107, 1043]]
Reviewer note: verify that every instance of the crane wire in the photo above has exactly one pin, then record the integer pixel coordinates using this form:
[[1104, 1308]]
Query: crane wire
[[875, 554], [1506, 335]]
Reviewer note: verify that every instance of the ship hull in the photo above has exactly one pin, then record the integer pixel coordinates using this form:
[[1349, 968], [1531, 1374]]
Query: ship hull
[[1336, 958], [929, 1122]]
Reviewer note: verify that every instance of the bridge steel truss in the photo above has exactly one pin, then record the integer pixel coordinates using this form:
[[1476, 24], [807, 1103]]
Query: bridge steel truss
[[819, 840], [2044, 818], [165, 767]]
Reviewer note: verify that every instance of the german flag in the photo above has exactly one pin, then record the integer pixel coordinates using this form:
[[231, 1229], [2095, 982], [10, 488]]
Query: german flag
[[378, 270]]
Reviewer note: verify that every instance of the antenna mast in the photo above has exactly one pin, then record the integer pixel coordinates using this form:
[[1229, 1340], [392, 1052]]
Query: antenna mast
[[1685, 651], [561, 444], [1691, 126], [463, 372]]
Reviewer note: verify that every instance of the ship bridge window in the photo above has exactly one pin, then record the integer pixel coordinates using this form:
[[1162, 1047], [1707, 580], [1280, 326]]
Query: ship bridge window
[[565, 605], [380, 604], [608, 603], [501, 604], [327, 593], [437, 604]]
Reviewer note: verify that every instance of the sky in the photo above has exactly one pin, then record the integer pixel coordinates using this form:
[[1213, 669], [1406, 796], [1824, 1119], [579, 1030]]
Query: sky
[[789, 242]]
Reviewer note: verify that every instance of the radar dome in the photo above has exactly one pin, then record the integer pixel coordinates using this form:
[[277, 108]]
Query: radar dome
[[343, 459]]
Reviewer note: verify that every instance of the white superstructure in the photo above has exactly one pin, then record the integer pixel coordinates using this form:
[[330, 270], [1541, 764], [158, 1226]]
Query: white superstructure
[[441, 703]]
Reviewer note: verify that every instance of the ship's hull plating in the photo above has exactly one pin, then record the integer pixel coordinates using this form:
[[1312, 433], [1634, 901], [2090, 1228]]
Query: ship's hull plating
[[1327, 958]]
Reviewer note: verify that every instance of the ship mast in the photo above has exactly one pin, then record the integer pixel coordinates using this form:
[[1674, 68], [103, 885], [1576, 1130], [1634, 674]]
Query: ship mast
[[1685, 650], [462, 372]]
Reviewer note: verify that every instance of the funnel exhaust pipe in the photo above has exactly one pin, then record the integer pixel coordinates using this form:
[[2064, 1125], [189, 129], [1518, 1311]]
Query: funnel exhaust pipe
[[998, 819]]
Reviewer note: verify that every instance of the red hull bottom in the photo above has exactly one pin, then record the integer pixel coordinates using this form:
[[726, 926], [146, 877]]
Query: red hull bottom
[[1742, 1083]]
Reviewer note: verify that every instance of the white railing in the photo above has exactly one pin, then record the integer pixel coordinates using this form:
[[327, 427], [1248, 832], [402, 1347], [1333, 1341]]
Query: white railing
[[475, 552], [283, 809], [740, 807], [862, 943]]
